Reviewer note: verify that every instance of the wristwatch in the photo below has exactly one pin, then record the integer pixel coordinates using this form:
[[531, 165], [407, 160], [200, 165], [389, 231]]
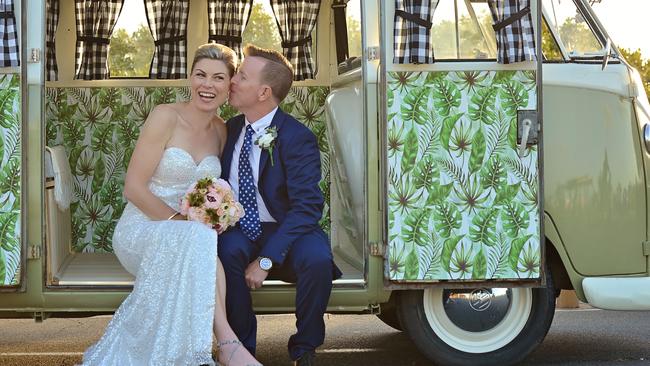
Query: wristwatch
[[265, 263]]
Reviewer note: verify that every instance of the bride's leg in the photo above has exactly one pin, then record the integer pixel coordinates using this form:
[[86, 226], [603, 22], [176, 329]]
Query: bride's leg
[[231, 351]]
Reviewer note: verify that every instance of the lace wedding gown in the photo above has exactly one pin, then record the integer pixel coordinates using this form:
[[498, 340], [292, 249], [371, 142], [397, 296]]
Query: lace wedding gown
[[167, 319]]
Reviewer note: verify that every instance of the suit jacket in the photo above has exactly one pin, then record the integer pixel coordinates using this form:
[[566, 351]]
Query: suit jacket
[[289, 187]]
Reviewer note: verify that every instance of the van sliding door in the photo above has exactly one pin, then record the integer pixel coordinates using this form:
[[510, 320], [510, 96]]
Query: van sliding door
[[463, 142]]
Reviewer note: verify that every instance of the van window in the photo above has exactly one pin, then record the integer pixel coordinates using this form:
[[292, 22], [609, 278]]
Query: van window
[[349, 33], [550, 48], [460, 32], [572, 30], [132, 45], [262, 29]]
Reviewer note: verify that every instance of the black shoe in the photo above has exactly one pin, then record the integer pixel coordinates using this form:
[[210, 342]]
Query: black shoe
[[306, 359]]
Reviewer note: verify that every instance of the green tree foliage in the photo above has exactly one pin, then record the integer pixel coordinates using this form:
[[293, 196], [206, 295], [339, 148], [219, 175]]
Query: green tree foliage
[[262, 30], [577, 37], [641, 64], [472, 43], [131, 55], [354, 36]]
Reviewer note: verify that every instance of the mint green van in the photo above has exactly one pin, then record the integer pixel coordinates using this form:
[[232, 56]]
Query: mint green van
[[477, 158]]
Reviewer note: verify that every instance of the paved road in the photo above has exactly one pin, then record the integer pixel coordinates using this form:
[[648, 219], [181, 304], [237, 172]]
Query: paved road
[[577, 337]]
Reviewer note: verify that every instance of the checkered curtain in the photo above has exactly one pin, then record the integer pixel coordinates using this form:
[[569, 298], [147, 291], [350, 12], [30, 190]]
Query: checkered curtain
[[227, 20], [168, 25], [513, 25], [52, 22], [95, 22], [412, 34], [9, 40], [296, 21]]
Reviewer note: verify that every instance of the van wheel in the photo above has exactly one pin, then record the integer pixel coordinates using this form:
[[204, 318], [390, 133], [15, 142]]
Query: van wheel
[[484, 326]]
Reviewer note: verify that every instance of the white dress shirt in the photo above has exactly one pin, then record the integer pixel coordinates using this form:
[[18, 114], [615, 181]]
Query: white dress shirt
[[254, 157]]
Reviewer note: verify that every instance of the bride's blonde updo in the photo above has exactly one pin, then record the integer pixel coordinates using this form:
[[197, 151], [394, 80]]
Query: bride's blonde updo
[[216, 51]]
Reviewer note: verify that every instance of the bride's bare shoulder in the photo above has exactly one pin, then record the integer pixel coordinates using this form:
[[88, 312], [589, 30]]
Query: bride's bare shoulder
[[164, 115]]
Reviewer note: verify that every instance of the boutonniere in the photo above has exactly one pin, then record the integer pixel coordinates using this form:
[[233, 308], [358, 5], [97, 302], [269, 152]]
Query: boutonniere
[[267, 140]]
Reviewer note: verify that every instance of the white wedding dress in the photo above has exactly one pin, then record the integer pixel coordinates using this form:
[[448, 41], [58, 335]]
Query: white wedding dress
[[167, 319]]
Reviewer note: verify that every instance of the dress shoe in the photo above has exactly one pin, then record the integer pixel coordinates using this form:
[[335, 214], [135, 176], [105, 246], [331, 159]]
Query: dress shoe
[[306, 359]]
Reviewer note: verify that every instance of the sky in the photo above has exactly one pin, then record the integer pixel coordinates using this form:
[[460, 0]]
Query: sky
[[626, 21]]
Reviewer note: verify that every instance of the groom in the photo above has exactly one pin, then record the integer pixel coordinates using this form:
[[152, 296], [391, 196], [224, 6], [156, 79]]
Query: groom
[[276, 180]]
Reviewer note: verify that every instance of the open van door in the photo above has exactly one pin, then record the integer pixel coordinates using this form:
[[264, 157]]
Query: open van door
[[463, 144], [12, 251], [463, 167]]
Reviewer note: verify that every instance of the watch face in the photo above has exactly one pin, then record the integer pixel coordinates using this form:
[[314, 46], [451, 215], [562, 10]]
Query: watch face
[[266, 264]]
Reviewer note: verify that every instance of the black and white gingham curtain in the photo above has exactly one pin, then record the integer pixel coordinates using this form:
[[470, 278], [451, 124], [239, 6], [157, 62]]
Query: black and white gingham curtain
[[296, 21], [227, 20], [513, 25], [9, 40], [168, 25], [95, 22], [52, 22], [412, 33]]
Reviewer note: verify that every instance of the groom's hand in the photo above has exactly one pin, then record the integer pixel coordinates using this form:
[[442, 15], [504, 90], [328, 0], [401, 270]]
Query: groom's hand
[[255, 276]]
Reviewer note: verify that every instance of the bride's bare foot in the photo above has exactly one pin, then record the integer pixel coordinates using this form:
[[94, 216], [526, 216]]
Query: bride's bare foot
[[233, 353]]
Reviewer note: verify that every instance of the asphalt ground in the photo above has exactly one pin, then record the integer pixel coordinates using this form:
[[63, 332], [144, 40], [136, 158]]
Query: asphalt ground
[[577, 337]]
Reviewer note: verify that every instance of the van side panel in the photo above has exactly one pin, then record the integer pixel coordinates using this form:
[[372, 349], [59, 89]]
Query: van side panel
[[462, 204], [10, 180], [594, 183]]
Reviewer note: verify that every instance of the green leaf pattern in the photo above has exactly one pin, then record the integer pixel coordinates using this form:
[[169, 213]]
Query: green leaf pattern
[[98, 128], [461, 200], [10, 173]]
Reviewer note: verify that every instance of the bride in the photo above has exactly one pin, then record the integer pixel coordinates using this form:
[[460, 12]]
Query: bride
[[178, 299]]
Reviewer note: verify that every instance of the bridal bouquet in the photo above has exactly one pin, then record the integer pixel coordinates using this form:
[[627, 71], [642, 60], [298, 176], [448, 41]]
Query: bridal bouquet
[[211, 202]]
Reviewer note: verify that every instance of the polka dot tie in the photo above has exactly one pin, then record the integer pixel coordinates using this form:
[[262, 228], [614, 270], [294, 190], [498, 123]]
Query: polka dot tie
[[250, 223]]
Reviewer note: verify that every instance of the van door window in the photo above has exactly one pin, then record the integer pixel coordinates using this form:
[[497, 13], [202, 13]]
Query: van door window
[[572, 31], [463, 30], [348, 32], [550, 48]]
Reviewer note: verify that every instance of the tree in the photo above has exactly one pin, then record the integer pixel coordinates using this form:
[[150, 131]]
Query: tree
[[130, 55], [262, 29]]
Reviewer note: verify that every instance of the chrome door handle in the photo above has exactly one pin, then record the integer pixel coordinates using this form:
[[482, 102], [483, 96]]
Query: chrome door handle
[[527, 123]]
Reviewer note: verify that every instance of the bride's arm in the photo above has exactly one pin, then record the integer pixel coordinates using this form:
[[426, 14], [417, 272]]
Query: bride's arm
[[147, 154]]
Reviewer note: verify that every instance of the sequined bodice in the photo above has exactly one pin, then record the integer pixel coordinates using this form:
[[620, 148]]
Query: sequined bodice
[[176, 171]]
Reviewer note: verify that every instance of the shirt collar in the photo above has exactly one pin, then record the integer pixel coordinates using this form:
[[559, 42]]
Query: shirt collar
[[263, 122]]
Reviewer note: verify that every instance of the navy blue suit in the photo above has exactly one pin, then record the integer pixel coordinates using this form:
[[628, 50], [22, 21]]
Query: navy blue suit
[[299, 249]]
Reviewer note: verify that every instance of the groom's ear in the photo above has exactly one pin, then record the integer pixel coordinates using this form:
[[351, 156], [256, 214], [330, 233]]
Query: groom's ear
[[265, 93]]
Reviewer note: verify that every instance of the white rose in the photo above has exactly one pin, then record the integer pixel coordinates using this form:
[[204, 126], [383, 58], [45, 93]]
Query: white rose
[[265, 140]]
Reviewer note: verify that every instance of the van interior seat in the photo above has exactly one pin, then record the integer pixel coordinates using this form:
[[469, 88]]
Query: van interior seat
[[67, 268]]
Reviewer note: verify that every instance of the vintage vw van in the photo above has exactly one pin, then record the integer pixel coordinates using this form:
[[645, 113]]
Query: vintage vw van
[[478, 156]]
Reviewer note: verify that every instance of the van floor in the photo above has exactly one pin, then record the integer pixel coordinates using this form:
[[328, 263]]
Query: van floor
[[104, 269]]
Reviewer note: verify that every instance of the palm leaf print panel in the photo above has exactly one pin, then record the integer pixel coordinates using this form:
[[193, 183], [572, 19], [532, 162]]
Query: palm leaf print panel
[[462, 204], [10, 168], [98, 128]]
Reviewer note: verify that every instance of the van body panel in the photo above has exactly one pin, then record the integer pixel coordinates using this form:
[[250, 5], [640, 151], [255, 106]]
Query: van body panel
[[597, 198]]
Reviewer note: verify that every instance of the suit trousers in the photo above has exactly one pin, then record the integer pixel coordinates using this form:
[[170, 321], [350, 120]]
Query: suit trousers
[[308, 263]]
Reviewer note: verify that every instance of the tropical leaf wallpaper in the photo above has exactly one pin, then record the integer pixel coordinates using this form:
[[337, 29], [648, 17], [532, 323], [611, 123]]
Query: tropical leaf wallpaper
[[10, 165], [99, 127], [462, 203]]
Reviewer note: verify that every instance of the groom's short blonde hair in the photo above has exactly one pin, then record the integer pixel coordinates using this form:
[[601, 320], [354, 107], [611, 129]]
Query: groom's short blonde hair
[[277, 73]]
